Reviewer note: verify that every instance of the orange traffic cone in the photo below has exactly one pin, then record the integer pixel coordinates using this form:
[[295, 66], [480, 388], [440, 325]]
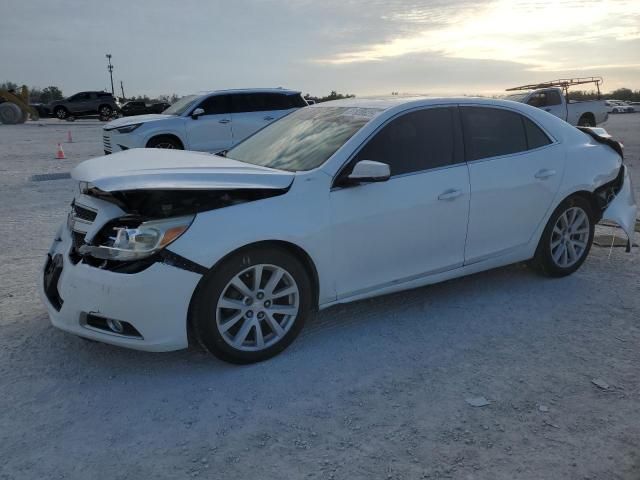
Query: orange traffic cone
[[69, 139], [60, 153]]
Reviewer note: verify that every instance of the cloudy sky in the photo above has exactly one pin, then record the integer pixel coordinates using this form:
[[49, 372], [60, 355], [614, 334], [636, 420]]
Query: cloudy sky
[[363, 47]]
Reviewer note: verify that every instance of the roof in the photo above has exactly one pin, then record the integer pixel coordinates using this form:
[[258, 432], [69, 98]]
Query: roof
[[385, 103], [251, 90]]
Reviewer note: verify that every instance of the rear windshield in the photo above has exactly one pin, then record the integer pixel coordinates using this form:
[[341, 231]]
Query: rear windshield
[[516, 97], [304, 139]]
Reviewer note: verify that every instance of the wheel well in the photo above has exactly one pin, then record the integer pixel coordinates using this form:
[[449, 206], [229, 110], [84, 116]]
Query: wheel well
[[591, 198], [60, 107], [590, 116], [293, 249], [165, 135], [105, 105]]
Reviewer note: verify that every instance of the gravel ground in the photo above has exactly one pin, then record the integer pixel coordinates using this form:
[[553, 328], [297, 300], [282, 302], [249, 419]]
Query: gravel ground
[[375, 389]]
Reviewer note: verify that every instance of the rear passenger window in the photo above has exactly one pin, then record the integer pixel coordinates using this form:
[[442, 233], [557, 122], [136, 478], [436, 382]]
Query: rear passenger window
[[490, 132], [536, 138], [416, 141], [249, 102]]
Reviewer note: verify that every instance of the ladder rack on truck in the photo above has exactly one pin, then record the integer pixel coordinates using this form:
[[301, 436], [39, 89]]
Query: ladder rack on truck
[[563, 83]]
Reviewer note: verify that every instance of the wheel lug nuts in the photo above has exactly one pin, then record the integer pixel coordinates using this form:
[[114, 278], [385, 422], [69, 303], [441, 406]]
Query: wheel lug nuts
[[260, 315], [267, 303], [249, 314], [260, 295]]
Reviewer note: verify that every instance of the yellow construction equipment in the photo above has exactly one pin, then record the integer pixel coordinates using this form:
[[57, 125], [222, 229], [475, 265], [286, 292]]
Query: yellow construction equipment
[[14, 107]]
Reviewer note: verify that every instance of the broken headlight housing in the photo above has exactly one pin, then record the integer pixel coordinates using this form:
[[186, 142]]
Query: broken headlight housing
[[124, 243]]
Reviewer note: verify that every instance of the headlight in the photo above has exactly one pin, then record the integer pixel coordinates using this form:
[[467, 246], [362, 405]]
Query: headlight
[[84, 187], [127, 244], [128, 128]]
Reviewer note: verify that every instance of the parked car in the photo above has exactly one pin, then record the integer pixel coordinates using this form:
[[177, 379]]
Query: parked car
[[137, 107], [336, 202], [85, 103], [209, 122], [619, 106], [587, 114]]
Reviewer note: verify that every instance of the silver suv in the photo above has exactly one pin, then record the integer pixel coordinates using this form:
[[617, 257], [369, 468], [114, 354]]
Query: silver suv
[[85, 103]]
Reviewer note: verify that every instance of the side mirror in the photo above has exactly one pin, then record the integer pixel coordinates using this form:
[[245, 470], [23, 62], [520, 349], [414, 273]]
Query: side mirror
[[369, 171], [197, 112]]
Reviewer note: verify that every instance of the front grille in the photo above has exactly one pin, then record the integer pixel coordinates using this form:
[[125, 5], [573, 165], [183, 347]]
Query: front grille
[[106, 139], [84, 213]]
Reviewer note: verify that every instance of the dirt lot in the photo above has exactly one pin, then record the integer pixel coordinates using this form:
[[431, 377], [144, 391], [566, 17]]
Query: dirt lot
[[375, 389]]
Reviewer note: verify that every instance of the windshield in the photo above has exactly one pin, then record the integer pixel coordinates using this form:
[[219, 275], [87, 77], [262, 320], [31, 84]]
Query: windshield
[[181, 105], [516, 97], [304, 139]]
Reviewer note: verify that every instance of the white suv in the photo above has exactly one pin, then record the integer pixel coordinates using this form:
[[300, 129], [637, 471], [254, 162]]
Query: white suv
[[209, 122]]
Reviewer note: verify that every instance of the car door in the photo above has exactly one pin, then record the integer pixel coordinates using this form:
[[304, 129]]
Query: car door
[[250, 112], [515, 170], [549, 101], [79, 102], [211, 131], [414, 223]]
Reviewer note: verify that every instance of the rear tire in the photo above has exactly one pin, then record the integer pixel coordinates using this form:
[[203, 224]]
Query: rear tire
[[165, 141], [252, 306], [567, 238]]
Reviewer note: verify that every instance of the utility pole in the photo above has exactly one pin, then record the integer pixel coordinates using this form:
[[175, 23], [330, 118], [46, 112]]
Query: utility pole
[[122, 89], [110, 68]]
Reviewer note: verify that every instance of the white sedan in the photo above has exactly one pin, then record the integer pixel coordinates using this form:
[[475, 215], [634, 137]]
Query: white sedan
[[333, 203]]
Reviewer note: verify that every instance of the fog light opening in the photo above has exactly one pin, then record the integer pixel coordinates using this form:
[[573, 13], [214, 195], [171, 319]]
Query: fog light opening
[[115, 326]]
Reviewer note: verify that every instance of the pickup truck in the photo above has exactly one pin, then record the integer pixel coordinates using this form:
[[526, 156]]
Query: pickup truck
[[552, 100]]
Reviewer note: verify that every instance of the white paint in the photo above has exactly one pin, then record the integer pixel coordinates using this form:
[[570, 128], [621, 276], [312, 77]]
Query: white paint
[[364, 240]]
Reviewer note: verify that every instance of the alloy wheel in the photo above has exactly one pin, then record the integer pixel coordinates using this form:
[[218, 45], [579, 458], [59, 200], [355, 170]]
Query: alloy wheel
[[570, 237], [257, 307]]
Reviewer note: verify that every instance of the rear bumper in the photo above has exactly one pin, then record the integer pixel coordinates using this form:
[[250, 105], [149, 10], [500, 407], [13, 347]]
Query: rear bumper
[[623, 209], [155, 301]]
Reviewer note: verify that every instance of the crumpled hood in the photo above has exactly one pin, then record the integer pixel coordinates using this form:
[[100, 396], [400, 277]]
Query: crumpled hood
[[154, 168], [124, 121]]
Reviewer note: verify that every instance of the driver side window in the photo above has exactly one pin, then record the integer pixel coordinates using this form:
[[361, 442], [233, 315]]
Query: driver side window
[[414, 142], [216, 105]]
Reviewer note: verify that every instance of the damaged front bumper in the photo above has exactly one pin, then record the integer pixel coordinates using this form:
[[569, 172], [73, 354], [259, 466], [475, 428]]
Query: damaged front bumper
[[623, 210], [151, 306]]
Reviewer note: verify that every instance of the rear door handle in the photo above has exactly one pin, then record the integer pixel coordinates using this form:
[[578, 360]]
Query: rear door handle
[[545, 173], [547, 109], [225, 120], [268, 118], [450, 194]]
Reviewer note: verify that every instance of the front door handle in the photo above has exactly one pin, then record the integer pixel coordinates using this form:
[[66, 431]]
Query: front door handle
[[225, 120], [450, 194], [545, 173], [268, 118], [547, 109]]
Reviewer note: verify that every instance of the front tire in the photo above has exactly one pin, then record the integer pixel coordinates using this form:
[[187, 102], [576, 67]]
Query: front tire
[[252, 306], [105, 112], [61, 113], [567, 238]]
